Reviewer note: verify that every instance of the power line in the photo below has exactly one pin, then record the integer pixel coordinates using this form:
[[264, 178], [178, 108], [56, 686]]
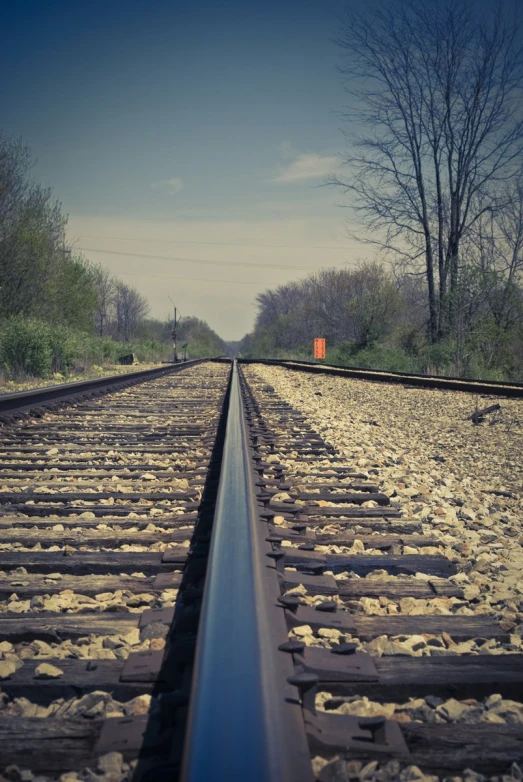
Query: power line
[[201, 260], [194, 279], [221, 244]]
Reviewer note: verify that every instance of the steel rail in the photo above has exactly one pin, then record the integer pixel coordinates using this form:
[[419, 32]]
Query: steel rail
[[244, 721], [470, 386], [26, 401]]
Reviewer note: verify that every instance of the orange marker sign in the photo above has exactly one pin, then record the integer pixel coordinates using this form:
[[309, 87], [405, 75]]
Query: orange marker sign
[[319, 348]]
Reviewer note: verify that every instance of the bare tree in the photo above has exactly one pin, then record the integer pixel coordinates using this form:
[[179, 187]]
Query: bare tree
[[130, 309], [437, 88], [106, 291], [495, 252]]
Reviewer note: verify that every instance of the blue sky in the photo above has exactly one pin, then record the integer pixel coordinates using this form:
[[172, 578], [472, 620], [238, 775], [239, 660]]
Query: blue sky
[[195, 130]]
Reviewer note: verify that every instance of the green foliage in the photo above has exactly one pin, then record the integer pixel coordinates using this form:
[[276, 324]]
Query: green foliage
[[64, 344], [31, 347], [200, 338], [394, 359], [25, 348], [371, 320], [53, 301]]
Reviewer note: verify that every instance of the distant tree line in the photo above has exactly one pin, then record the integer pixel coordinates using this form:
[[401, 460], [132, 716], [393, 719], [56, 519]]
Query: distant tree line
[[57, 308], [372, 318]]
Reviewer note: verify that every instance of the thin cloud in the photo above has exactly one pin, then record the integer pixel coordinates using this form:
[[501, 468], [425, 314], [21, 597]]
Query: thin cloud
[[171, 186], [286, 150], [309, 166]]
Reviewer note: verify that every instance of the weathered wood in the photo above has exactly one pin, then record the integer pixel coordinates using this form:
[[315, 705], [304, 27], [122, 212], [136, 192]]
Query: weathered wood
[[447, 749], [108, 469], [463, 676], [87, 562], [94, 483], [98, 510], [122, 522], [349, 513], [352, 497], [320, 486], [328, 472], [395, 524], [58, 745], [50, 627], [477, 415], [79, 678], [377, 541], [370, 587], [73, 496], [444, 588], [408, 564], [362, 564], [484, 747], [457, 626], [50, 746], [39, 450], [92, 537], [82, 585]]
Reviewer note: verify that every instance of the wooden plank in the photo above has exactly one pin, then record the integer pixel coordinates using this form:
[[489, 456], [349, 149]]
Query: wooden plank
[[73, 496], [484, 747], [98, 510], [320, 485], [463, 676], [79, 469], [349, 513], [456, 625], [377, 541], [444, 749], [293, 474], [79, 678], [355, 498], [82, 585], [87, 562], [50, 627], [362, 564], [413, 587], [95, 483], [93, 537], [50, 746], [39, 450], [122, 522], [392, 525], [407, 564]]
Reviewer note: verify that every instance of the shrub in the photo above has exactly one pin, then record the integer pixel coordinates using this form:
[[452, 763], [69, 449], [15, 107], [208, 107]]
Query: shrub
[[25, 348], [383, 357], [65, 345]]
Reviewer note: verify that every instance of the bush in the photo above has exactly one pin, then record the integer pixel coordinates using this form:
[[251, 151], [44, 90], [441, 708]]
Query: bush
[[25, 348], [65, 345], [383, 357], [34, 348]]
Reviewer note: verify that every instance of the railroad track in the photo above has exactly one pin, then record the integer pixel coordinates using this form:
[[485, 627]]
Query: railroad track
[[291, 678], [407, 379], [98, 504]]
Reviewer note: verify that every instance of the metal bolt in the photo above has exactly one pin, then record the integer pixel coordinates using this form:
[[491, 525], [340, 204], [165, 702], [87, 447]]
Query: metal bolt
[[306, 684], [327, 605], [293, 647], [344, 649], [278, 557], [290, 602]]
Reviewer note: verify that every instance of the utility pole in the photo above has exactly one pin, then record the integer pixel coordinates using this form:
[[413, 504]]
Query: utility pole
[[175, 323]]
